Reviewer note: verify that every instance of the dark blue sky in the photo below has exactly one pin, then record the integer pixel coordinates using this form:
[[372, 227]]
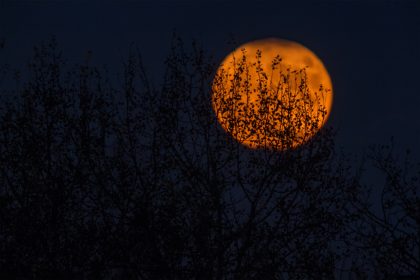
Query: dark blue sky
[[371, 48]]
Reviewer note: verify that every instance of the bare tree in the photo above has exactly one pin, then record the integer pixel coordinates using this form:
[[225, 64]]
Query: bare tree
[[251, 214], [106, 179], [384, 238]]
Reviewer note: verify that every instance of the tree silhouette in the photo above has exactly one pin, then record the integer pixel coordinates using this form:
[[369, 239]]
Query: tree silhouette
[[385, 235], [133, 181], [266, 203]]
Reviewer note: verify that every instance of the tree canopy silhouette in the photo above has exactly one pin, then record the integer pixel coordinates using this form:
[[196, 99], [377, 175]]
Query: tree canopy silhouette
[[99, 181]]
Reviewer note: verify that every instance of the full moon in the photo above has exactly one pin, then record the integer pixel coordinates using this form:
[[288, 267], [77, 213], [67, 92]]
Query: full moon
[[272, 93]]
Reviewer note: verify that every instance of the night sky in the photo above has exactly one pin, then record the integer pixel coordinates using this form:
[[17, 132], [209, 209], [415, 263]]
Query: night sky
[[370, 48], [97, 180]]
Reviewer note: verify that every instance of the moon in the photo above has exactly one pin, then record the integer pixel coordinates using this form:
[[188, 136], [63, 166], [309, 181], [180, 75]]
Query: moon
[[272, 93]]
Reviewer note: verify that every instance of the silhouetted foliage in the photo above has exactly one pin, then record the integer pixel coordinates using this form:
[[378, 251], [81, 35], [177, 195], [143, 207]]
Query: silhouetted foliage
[[385, 236], [99, 181]]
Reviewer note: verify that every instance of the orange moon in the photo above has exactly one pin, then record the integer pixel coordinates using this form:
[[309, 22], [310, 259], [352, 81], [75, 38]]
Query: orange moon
[[272, 93]]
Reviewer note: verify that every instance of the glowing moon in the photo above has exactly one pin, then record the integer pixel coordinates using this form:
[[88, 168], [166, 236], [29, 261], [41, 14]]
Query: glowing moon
[[272, 93]]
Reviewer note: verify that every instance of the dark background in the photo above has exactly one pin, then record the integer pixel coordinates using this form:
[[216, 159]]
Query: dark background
[[370, 48]]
